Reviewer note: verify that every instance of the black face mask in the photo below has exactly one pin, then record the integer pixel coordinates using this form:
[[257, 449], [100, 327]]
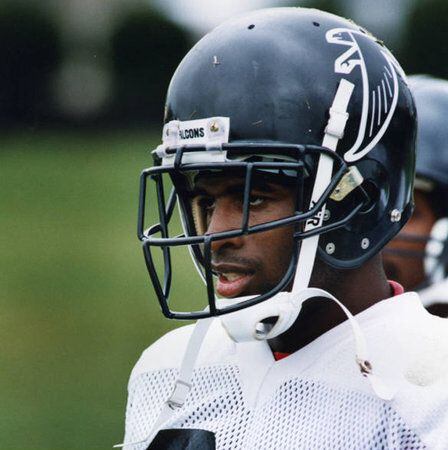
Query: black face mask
[[183, 439], [157, 234]]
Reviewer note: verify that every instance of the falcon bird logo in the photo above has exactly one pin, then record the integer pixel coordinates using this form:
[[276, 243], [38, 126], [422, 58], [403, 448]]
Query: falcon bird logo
[[379, 87]]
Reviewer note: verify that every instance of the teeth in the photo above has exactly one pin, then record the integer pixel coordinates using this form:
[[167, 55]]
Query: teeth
[[232, 276]]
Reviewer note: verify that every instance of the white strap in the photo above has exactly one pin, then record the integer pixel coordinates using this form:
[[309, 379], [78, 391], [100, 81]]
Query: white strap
[[242, 325], [183, 383], [378, 386], [333, 132]]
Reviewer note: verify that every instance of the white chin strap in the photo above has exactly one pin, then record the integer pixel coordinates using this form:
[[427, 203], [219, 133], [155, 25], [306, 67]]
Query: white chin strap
[[247, 324]]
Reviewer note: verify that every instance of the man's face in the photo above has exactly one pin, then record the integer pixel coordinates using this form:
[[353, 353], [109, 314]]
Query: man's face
[[251, 264], [409, 271]]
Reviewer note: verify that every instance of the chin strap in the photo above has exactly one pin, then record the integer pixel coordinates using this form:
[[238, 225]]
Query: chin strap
[[288, 306], [380, 389], [245, 325]]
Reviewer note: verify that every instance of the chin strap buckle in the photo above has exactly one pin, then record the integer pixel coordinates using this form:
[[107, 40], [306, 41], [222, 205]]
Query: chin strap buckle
[[180, 392], [336, 123], [364, 366]]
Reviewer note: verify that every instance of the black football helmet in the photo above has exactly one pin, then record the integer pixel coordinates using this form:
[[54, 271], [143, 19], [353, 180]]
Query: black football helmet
[[291, 93], [431, 98]]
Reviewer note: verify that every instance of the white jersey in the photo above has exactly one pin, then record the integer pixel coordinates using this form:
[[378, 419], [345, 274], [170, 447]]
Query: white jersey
[[315, 398]]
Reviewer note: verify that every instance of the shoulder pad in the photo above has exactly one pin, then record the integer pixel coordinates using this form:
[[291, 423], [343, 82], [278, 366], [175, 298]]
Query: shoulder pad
[[167, 352]]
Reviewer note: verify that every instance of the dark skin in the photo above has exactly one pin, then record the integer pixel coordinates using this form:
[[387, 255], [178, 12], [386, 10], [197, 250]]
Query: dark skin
[[261, 259], [409, 271], [221, 199]]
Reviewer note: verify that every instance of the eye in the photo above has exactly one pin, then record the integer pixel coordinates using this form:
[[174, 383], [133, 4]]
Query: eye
[[204, 203], [255, 200]]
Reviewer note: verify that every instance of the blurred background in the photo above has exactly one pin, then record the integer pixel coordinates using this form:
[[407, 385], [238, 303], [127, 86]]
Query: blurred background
[[82, 84]]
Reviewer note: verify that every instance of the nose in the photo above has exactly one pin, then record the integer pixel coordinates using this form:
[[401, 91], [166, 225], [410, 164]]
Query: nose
[[224, 217]]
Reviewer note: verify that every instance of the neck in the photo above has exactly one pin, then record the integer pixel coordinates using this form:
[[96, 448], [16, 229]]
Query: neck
[[317, 315]]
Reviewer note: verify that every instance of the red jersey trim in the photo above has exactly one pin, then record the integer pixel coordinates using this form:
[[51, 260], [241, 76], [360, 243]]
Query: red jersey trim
[[397, 288]]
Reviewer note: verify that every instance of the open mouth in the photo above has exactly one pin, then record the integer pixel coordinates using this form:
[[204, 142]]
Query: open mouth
[[232, 281]]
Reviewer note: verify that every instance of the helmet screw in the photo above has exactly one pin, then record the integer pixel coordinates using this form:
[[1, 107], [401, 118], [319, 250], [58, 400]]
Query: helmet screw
[[327, 214], [365, 243], [214, 127], [395, 215], [330, 248]]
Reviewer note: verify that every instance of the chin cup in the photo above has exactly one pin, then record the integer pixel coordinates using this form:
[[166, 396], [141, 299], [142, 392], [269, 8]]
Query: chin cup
[[262, 321]]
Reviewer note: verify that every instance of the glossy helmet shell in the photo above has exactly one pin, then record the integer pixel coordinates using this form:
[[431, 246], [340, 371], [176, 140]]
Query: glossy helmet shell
[[275, 73]]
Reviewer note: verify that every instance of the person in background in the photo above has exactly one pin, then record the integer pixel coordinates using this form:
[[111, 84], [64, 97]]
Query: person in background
[[418, 257]]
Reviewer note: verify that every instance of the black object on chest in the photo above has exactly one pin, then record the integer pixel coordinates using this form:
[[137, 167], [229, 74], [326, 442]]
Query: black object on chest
[[183, 439]]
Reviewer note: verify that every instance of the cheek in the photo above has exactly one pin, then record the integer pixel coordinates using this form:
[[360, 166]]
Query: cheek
[[275, 249]]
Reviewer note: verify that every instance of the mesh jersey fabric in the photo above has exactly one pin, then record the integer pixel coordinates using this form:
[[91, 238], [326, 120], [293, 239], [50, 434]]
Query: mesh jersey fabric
[[314, 399]]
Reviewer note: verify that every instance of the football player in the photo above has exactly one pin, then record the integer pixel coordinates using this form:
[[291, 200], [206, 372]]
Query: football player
[[289, 145], [418, 256]]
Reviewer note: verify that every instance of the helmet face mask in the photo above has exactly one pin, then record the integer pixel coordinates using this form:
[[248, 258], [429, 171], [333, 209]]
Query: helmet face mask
[[260, 101], [181, 173]]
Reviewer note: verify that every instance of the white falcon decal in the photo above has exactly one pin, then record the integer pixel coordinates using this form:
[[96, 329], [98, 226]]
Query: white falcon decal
[[380, 92]]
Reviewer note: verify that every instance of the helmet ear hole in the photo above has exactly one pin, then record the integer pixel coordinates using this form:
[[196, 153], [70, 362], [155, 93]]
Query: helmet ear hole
[[373, 193]]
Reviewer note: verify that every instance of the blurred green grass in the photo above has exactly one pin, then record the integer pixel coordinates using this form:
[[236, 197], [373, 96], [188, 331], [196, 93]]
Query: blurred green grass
[[76, 306]]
